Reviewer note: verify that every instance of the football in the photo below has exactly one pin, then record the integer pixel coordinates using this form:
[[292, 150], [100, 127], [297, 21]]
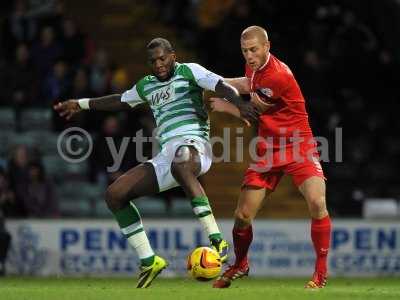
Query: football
[[204, 264]]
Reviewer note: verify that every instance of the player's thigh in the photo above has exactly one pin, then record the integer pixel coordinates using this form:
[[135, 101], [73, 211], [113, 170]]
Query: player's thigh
[[136, 182], [250, 201], [313, 189], [186, 160]]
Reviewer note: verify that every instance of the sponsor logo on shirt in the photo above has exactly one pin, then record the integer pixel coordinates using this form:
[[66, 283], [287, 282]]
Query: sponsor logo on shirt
[[162, 95]]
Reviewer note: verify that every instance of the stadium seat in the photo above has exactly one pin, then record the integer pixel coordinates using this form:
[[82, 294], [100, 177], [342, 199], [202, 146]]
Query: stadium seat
[[77, 170], [151, 206], [7, 120], [380, 208], [75, 207], [48, 141], [35, 118], [5, 141], [81, 189], [101, 209], [87, 195], [55, 166], [25, 139], [181, 207]]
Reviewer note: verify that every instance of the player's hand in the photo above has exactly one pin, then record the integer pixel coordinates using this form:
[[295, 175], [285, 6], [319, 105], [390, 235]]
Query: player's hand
[[248, 111], [262, 106], [67, 109], [217, 104], [222, 105]]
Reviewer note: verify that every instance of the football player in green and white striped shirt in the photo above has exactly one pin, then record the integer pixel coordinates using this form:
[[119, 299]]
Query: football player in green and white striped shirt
[[174, 93]]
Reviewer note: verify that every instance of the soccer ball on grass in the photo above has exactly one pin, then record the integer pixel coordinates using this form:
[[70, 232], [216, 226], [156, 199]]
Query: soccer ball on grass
[[204, 263]]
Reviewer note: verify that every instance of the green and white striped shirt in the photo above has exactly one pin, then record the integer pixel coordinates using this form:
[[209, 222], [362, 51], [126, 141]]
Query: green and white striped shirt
[[177, 104]]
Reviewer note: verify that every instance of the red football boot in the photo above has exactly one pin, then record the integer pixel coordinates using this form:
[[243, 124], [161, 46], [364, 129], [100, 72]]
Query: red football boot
[[232, 273], [318, 281]]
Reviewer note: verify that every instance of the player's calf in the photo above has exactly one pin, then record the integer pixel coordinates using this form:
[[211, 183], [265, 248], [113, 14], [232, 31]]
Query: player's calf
[[185, 168]]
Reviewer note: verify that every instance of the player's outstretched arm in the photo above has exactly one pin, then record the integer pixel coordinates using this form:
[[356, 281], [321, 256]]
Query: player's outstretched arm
[[242, 84], [69, 108], [247, 110]]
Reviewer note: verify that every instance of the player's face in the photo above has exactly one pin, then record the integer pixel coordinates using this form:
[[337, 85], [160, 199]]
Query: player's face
[[162, 63], [255, 52]]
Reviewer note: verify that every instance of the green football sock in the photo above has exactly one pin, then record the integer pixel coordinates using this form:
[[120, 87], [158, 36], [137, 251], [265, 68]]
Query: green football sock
[[201, 208], [130, 222]]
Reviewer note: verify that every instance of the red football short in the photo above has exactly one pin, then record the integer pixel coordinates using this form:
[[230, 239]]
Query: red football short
[[300, 168]]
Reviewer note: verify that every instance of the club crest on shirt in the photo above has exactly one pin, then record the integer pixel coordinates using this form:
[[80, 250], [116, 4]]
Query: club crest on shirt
[[267, 92]]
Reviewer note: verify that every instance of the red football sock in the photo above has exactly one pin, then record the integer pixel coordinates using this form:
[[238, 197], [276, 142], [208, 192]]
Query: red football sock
[[242, 239], [321, 236]]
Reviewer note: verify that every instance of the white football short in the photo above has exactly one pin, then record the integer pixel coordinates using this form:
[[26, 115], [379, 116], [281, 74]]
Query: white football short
[[163, 160]]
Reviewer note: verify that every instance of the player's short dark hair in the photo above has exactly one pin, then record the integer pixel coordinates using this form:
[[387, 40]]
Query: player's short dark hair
[[160, 42]]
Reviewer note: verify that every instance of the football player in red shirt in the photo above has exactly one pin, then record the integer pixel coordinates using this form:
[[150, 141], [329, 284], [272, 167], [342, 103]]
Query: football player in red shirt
[[285, 146]]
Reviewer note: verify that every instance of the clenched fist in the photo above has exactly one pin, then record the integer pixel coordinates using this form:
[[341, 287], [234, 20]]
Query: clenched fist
[[67, 109]]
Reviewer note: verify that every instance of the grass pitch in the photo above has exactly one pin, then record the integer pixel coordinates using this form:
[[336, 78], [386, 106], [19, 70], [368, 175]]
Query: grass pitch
[[246, 289]]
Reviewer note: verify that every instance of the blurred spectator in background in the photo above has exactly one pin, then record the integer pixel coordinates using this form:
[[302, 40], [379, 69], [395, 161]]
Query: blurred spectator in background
[[52, 15], [239, 16], [119, 81], [19, 27], [40, 201], [46, 52], [80, 85], [78, 89], [18, 170], [21, 83], [100, 73], [6, 198], [210, 15], [73, 42], [57, 85], [101, 157], [352, 44]]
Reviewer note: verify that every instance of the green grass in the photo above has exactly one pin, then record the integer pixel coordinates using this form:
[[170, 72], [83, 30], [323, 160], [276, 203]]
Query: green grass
[[244, 289]]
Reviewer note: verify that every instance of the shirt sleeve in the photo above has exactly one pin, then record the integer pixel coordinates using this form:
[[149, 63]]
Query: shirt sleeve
[[203, 77], [132, 97]]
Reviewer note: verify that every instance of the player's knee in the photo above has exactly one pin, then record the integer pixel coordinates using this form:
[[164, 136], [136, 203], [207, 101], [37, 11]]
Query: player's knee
[[316, 203], [243, 215], [183, 155], [182, 163], [114, 198]]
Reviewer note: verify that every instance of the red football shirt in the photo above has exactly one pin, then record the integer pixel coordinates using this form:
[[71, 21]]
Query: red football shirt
[[274, 82]]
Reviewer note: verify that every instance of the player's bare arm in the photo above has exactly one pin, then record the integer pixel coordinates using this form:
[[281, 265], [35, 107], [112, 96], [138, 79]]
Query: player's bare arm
[[69, 108], [242, 84], [246, 109], [221, 105]]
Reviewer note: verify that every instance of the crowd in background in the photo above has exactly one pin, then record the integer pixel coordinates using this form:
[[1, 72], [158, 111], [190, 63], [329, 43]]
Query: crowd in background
[[343, 54], [45, 58]]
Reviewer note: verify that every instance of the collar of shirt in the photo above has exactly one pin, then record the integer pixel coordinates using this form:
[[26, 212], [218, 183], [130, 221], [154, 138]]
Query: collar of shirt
[[264, 65], [252, 87]]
